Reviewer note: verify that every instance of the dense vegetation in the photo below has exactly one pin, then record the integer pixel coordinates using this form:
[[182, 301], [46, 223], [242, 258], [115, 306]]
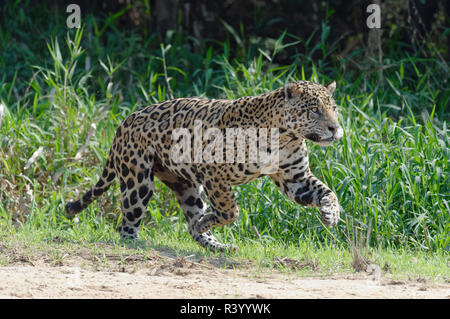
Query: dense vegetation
[[64, 92]]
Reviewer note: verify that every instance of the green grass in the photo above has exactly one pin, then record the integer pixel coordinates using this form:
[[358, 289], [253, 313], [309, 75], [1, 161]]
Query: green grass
[[391, 169], [92, 236]]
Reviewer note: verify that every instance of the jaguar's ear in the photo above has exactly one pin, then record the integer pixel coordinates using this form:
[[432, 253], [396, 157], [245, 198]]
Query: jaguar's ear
[[331, 87], [291, 90]]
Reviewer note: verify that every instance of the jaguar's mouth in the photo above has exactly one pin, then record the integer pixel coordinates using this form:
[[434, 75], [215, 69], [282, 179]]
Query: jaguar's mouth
[[330, 139], [313, 137], [316, 139]]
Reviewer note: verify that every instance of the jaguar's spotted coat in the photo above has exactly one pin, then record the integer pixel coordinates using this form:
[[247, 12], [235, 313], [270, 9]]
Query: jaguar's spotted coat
[[142, 147]]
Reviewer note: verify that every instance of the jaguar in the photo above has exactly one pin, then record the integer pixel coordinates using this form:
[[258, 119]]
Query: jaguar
[[143, 149]]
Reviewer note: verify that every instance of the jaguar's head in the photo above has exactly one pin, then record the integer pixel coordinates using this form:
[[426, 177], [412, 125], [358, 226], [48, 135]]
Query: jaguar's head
[[311, 112]]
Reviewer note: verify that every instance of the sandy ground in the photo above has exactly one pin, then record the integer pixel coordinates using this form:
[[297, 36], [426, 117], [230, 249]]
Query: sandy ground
[[181, 278]]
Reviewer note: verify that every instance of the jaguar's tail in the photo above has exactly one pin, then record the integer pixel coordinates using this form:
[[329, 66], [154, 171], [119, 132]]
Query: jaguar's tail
[[105, 181]]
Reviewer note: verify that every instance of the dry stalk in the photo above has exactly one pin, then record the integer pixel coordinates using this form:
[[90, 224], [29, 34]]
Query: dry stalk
[[359, 246]]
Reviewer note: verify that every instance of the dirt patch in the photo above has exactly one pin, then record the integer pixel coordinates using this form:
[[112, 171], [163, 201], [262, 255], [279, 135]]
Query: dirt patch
[[153, 275]]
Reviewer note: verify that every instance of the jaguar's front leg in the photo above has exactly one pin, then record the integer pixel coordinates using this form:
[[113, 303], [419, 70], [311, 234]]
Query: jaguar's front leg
[[330, 209], [310, 191]]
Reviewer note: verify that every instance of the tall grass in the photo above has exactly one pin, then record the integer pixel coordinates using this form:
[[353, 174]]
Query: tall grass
[[390, 169]]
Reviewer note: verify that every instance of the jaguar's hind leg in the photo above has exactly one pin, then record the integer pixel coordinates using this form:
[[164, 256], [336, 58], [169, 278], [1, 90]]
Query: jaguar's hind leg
[[192, 201], [224, 209], [137, 187], [191, 198]]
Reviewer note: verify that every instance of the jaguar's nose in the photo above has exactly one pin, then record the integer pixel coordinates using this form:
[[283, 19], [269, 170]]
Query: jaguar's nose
[[333, 129], [336, 131]]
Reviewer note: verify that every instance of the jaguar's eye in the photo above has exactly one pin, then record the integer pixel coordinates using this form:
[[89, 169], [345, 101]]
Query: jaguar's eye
[[315, 110]]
